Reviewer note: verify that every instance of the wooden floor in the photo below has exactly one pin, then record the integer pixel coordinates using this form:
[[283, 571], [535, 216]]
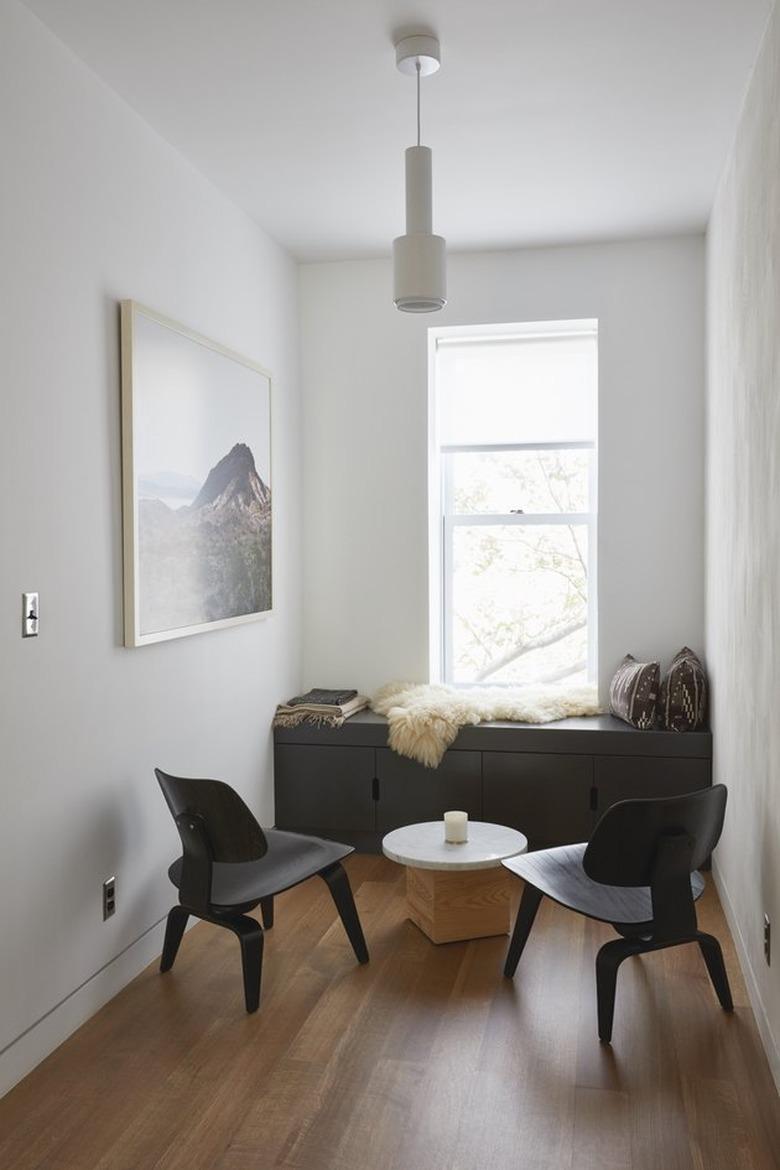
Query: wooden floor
[[426, 1059]]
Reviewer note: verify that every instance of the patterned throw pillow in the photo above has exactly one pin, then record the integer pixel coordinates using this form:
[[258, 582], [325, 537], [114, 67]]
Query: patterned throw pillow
[[634, 690], [683, 703]]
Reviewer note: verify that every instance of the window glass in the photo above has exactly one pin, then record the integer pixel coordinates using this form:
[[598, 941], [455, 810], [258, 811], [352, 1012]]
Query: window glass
[[520, 481], [520, 603]]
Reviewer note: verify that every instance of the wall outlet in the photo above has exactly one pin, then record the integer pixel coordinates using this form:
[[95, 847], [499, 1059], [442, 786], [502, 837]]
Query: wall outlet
[[767, 940], [109, 897]]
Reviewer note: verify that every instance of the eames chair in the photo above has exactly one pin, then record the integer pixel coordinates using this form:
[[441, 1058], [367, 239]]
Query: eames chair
[[638, 872], [230, 865]]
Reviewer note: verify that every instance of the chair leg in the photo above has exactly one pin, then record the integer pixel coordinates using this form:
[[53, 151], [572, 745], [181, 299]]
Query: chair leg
[[645, 931], [335, 877], [267, 907], [250, 936], [529, 904], [713, 957], [608, 960], [174, 931]]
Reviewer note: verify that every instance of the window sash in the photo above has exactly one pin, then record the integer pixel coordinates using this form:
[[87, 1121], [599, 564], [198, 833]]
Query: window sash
[[469, 448], [450, 520], [474, 519]]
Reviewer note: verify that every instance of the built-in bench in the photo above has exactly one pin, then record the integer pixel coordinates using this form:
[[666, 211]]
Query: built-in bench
[[551, 781]]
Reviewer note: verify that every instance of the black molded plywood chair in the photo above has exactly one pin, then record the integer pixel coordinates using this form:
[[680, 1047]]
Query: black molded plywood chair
[[637, 873], [230, 865]]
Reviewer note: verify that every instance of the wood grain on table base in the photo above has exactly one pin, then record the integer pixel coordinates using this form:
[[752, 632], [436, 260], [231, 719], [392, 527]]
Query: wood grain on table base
[[450, 905], [426, 1058]]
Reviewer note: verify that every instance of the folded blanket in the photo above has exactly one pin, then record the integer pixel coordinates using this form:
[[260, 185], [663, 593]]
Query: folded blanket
[[423, 719], [322, 698], [320, 714]]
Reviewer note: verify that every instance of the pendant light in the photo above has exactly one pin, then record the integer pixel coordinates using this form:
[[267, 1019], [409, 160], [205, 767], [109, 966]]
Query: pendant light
[[419, 272]]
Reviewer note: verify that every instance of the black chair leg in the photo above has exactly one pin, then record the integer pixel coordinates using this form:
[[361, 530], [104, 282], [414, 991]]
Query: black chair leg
[[267, 907], [174, 931], [338, 883], [529, 904], [608, 960], [250, 936], [713, 957], [645, 932]]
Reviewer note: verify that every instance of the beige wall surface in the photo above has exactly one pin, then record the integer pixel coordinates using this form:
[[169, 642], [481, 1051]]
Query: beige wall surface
[[743, 527], [95, 207], [365, 386]]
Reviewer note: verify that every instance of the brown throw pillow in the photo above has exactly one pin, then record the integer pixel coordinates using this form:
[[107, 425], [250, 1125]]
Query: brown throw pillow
[[634, 690], [683, 702]]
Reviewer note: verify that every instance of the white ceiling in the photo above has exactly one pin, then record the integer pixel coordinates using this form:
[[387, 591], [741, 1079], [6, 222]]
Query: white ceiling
[[550, 121]]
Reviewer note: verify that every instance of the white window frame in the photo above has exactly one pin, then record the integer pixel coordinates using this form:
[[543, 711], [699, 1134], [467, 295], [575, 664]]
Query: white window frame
[[443, 519]]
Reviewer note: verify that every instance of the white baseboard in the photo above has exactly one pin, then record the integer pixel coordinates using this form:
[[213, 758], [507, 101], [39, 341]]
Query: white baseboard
[[751, 983], [21, 1056]]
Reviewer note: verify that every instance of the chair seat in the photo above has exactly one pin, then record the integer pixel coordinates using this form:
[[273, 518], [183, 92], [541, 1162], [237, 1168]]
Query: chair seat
[[291, 858], [558, 873]]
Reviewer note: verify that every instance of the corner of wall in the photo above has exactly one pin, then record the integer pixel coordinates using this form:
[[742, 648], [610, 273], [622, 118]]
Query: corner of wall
[[742, 535], [754, 993]]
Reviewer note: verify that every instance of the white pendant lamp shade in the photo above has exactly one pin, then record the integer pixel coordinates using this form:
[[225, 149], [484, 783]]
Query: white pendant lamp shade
[[419, 267], [419, 261], [419, 273]]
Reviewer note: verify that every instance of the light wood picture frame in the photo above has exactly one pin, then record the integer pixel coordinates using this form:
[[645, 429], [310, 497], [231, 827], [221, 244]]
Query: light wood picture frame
[[196, 482]]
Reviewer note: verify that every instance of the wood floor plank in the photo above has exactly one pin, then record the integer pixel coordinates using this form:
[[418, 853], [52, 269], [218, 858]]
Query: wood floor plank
[[522, 1091], [602, 1130], [427, 1057], [337, 1042], [394, 1021]]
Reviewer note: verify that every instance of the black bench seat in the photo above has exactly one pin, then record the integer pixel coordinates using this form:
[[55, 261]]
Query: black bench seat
[[552, 780]]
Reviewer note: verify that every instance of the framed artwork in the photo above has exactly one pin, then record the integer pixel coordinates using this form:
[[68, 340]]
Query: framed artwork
[[196, 473]]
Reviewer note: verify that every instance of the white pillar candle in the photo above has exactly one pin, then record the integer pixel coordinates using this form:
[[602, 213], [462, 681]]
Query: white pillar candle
[[456, 827]]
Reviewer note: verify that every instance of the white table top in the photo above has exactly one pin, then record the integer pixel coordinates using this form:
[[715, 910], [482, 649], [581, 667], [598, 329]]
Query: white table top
[[423, 846]]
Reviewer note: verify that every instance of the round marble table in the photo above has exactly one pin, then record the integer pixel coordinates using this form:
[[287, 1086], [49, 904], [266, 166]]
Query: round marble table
[[456, 892]]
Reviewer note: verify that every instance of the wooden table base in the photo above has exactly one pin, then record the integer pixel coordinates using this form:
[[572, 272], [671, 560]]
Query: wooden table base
[[452, 905]]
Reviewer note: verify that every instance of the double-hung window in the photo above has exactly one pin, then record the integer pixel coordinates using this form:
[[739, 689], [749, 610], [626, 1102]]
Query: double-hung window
[[513, 503]]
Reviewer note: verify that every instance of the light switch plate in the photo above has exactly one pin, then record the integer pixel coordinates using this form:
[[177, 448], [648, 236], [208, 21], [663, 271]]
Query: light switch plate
[[30, 615]]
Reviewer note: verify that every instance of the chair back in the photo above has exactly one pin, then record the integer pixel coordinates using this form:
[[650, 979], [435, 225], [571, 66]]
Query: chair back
[[232, 831], [625, 843]]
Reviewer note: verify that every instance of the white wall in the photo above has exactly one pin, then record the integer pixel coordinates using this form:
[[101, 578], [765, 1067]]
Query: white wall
[[95, 207], [364, 369], [743, 531]]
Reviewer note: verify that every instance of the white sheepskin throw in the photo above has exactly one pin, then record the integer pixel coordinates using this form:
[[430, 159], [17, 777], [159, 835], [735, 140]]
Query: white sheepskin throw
[[424, 720]]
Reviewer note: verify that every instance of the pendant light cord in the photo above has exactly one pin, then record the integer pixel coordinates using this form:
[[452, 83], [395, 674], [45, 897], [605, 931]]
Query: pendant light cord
[[417, 67]]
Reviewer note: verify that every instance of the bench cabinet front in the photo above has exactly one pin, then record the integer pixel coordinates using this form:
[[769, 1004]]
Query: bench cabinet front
[[347, 784], [409, 792], [325, 790], [547, 797]]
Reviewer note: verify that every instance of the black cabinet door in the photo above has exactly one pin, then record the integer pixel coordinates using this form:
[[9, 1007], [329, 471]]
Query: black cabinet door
[[324, 789], [547, 796], [409, 793], [628, 777]]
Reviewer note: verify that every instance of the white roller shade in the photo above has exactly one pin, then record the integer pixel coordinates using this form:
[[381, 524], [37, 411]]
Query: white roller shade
[[517, 388]]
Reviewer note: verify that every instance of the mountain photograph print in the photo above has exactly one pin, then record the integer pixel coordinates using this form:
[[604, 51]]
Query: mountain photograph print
[[196, 454]]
